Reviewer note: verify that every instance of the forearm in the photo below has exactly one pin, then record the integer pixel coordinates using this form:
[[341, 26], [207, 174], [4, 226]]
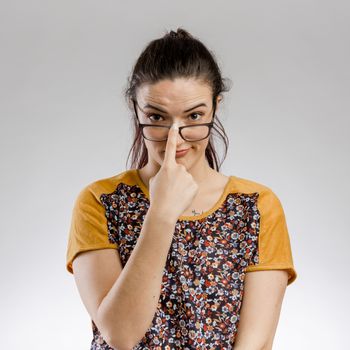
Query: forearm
[[128, 309], [250, 341], [251, 346]]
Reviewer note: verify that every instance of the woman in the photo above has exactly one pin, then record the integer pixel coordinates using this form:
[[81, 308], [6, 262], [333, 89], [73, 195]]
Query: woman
[[173, 254]]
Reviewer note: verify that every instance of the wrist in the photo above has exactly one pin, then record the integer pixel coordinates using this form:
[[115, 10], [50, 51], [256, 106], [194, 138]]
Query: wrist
[[160, 216]]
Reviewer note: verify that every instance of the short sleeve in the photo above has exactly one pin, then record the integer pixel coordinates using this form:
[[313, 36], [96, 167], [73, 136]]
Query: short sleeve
[[88, 228], [274, 247]]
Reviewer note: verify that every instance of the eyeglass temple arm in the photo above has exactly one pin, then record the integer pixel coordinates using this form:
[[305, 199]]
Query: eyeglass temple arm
[[135, 109]]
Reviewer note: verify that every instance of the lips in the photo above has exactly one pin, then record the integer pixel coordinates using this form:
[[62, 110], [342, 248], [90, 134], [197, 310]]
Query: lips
[[181, 153]]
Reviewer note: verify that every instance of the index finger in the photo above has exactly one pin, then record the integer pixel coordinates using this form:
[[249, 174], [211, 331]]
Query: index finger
[[170, 148]]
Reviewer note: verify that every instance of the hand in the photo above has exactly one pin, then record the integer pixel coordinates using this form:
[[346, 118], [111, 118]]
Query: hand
[[173, 188]]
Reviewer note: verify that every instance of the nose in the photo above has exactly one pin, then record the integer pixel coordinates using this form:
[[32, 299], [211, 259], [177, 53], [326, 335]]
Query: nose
[[179, 138]]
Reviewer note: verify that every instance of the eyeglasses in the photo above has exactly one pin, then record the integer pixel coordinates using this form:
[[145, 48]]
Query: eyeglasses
[[159, 133]]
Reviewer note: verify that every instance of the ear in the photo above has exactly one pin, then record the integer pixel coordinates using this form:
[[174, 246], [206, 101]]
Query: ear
[[218, 100]]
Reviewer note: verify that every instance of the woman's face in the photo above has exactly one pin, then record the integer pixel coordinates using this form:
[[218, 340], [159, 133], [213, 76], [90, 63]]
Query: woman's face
[[165, 103]]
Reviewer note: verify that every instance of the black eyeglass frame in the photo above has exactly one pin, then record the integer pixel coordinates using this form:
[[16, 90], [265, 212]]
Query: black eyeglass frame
[[142, 125]]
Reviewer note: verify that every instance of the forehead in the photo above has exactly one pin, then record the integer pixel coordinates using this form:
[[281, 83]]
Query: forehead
[[174, 92]]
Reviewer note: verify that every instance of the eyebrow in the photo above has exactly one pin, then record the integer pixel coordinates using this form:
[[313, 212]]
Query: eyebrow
[[161, 110]]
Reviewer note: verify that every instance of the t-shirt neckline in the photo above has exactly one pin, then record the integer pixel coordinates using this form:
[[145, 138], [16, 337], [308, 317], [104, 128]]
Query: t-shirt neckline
[[203, 215]]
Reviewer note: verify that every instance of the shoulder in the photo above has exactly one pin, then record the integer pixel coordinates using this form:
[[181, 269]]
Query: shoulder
[[93, 190], [245, 185], [266, 196]]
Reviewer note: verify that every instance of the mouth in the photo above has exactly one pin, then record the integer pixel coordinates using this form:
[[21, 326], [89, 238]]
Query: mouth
[[182, 152]]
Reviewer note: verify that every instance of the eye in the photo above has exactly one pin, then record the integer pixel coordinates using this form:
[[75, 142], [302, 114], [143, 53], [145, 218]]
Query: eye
[[198, 114], [154, 115]]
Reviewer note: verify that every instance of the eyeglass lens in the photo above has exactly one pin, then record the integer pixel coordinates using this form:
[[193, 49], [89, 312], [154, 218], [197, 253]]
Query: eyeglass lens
[[191, 133]]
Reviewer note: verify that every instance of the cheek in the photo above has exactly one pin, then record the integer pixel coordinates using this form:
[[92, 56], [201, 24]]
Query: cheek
[[154, 148], [201, 145], [150, 147]]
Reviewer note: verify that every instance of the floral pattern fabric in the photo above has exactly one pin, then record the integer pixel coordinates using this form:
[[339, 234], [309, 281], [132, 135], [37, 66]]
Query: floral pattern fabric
[[202, 286], [210, 254]]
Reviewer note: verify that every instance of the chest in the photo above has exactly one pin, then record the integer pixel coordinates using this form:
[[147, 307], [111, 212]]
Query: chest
[[227, 230], [203, 277], [208, 199], [203, 203]]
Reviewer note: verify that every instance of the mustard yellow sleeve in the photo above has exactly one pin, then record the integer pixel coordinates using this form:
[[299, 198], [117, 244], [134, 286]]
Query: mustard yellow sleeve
[[88, 229], [274, 247]]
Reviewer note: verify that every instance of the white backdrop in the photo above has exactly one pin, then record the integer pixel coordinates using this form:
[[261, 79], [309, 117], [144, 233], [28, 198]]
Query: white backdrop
[[64, 124]]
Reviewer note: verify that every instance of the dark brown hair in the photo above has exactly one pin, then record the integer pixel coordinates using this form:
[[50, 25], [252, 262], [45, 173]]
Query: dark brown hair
[[175, 55]]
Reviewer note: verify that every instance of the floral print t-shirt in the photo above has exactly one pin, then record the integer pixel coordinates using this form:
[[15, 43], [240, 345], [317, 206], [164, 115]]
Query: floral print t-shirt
[[203, 279]]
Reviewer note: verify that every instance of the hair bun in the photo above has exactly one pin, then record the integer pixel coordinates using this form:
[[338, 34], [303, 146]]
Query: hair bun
[[180, 34]]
